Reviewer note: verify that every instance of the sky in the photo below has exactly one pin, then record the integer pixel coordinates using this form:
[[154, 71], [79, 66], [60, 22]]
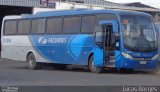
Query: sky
[[153, 3]]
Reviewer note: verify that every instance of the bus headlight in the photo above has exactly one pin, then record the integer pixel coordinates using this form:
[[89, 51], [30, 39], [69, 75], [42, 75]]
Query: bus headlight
[[127, 55], [155, 57]]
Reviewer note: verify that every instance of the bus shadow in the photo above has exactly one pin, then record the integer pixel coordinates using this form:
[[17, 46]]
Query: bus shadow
[[85, 70], [112, 71], [115, 71], [20, 67]]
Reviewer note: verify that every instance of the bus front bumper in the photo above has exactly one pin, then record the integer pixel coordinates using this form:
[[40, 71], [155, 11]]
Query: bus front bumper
[[135, 64]]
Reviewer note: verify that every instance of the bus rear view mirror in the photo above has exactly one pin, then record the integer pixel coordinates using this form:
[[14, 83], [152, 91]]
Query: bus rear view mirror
[[98, 38]]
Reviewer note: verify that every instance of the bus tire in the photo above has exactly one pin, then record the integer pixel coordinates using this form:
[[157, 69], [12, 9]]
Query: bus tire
[[32, 64], [59, 66], [92, 68]]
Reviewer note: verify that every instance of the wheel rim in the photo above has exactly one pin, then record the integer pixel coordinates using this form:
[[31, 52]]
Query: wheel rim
[[93, 66], [31, 62]]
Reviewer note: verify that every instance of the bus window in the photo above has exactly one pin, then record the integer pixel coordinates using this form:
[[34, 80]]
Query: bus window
[[23, 26], [88, 24], [38, 26], [54, 25], [10, 27], [105, 17], [71, 24]]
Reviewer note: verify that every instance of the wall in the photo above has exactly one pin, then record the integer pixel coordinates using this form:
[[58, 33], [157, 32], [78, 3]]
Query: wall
[[65, 6], [158, 27]]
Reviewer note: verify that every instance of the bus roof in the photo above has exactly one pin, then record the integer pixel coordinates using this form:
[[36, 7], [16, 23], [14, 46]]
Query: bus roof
[[78, 12], [12, 17]]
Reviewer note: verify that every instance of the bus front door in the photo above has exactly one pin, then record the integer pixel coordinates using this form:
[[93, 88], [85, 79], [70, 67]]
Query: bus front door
[[111, 45], [109, 48], [107, 54]]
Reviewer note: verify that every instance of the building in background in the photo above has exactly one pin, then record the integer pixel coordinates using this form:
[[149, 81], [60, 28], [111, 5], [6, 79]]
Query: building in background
[[16, 7], [46, 5], [70, 4], [155, 14]]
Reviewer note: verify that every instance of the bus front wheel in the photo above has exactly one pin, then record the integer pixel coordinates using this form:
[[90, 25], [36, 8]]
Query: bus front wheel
[[32, 64], [92, 68]]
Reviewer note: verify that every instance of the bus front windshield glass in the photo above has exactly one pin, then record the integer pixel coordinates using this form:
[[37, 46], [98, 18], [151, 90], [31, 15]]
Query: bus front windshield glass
[[138, 33]]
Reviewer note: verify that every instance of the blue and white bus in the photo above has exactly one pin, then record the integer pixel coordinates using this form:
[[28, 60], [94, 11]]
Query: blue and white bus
[[95, 38]]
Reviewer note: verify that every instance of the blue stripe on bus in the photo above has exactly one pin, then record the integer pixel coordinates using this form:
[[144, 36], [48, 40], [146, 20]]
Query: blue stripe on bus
[[75, 52]]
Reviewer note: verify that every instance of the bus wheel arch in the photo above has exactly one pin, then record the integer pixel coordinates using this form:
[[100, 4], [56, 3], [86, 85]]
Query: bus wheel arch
[[31, 61], [30, 52], [92, 68], [89, 57]]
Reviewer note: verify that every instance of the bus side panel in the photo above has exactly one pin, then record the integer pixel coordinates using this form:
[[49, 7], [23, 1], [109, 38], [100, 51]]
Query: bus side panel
[[50, 47], [87, 49], [63, 49], [79, 48], [53, 53], [15, 47]]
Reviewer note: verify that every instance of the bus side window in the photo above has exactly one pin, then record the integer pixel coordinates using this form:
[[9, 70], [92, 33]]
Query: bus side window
[[24, 26], [105, 16], [71, 24], [38, 26], [88, 24], [10, 27], [54, 25]]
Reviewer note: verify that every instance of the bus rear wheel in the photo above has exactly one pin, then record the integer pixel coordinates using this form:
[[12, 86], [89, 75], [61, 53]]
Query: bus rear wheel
[[92, 68], [32, 64]]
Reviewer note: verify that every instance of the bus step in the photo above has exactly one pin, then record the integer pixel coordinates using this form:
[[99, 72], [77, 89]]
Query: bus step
[[111, 58], [111, 53], [111, 64]]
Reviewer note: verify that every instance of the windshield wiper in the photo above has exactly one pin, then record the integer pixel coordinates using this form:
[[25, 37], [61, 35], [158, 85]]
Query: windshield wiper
[[142, 33]]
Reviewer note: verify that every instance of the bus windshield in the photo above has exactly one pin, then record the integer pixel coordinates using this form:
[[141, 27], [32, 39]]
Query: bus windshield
[[138, 33]]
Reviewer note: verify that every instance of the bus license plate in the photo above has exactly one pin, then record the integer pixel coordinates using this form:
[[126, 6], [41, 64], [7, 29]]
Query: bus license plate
[[143, 62]]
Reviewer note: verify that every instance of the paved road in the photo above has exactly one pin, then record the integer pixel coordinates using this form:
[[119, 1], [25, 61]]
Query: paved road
[[17, 73]]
